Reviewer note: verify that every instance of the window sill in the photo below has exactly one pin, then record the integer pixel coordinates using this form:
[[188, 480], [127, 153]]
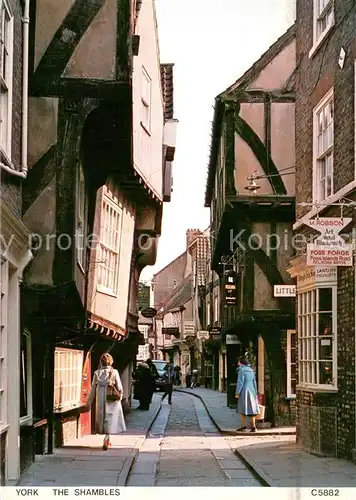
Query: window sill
[[322, 389], [106, 291], [292, 397], [4, 158], [145, 129], [319, 43], [3, 428]]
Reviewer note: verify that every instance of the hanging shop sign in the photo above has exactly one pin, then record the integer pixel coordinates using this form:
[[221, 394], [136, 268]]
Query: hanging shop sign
[[232, 339], [329, 249], [168, 331], [230, 288], [202, 335], [284, 291], [149, 312], [189, 328], [215, 331]]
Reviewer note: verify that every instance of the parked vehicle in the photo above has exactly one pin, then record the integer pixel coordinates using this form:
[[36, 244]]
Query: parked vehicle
[[161, 381]]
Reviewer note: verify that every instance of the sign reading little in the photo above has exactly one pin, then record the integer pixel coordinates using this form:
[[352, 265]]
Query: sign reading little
[[329, 249]]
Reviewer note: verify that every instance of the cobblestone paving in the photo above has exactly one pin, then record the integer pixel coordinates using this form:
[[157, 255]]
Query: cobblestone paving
[[185, 449]]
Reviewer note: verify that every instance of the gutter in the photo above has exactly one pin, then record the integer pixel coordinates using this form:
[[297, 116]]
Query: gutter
[[22, 173]]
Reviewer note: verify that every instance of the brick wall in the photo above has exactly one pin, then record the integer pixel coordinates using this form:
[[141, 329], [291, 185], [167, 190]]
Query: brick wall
[[10, 187], [2, 458], [326, 422]]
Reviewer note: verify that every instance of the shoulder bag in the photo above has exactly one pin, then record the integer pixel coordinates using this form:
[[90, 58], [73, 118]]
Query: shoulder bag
[[112, 393]]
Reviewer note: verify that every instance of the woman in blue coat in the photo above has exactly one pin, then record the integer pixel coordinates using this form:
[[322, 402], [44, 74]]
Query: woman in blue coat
[[246, 393]]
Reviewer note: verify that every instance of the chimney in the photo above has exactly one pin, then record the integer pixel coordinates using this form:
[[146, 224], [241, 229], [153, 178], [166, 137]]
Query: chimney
[[192, 235]]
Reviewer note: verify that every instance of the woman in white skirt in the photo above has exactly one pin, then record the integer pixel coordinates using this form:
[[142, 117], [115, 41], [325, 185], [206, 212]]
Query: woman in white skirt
[[109, 417]]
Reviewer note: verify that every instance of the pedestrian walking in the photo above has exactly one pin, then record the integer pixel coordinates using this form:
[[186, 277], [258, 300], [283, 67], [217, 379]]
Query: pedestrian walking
[[154, 377], [144, 386], [168, 387], [107, 390], [246, 393]]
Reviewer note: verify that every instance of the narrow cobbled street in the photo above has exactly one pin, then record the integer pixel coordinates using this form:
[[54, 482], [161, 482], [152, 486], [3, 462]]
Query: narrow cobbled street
[[181, 448], [184, 448]]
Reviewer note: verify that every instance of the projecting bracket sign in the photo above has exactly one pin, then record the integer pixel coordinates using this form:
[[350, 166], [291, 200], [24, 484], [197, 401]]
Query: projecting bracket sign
[[329, 249], [232, 339], [284, 291]]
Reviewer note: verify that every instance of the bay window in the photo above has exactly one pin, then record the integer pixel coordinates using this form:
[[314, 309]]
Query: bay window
[[109, 247], [317, 336]]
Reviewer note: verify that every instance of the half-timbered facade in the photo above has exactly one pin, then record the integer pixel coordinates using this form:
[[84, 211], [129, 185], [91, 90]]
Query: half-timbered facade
[[250, 191], [99, 163]]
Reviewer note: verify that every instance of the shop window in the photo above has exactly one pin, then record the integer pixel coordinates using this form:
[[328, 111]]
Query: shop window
[[317, 333], [68, 366]]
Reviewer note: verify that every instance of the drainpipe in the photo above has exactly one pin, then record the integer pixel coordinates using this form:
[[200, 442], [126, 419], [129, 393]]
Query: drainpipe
[[22, 173]]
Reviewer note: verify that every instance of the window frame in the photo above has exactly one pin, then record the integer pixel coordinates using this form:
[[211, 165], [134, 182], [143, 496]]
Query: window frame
[[305, 384], [146, 101], [5, 151], [329, 96], [102, 288], [216, 309], [318, 39], [74, 402], [4, 291], [27, 419], [290, 333], [81, 216]]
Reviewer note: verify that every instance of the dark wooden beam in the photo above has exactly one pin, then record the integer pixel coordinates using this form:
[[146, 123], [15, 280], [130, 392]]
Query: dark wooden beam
[[65, 41], [247, 133], [261, 96], [79, 87]]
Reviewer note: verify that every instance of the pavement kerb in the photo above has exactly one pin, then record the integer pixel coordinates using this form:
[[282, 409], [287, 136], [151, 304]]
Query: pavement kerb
[[125, 471], [255, 469], [229, 432]]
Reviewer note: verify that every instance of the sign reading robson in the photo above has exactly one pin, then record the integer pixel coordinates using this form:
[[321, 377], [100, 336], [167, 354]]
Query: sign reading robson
[[329, 249]]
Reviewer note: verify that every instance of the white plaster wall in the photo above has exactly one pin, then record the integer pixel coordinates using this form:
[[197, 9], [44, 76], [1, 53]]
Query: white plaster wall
[[283, 141], [275, 74], [49, 17], [147, 147]]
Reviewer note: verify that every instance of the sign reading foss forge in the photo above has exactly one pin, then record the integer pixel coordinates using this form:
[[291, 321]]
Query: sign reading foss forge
[[329, 249]]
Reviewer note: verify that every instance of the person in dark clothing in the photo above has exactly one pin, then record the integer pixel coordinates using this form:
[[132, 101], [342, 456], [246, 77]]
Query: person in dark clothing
[[168, 387], [144, 386], [154, 374], [177, 371]]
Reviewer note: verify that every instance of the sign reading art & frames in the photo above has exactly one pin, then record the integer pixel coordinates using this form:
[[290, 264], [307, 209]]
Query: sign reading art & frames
[[329, 249]]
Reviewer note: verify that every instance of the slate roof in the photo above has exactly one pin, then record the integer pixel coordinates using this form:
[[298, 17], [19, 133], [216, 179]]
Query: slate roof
[[180, 296], [241, 83], [167, 90]]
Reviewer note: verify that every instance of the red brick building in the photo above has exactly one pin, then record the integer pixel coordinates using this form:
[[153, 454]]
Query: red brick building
[[325, 175]]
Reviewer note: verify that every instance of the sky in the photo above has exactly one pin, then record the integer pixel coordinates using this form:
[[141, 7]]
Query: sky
[[211, 43]]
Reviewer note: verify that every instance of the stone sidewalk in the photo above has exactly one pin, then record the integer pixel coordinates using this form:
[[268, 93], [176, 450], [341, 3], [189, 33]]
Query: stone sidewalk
[[273, 454], [226, 419], [280, 462], [83, 462]]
